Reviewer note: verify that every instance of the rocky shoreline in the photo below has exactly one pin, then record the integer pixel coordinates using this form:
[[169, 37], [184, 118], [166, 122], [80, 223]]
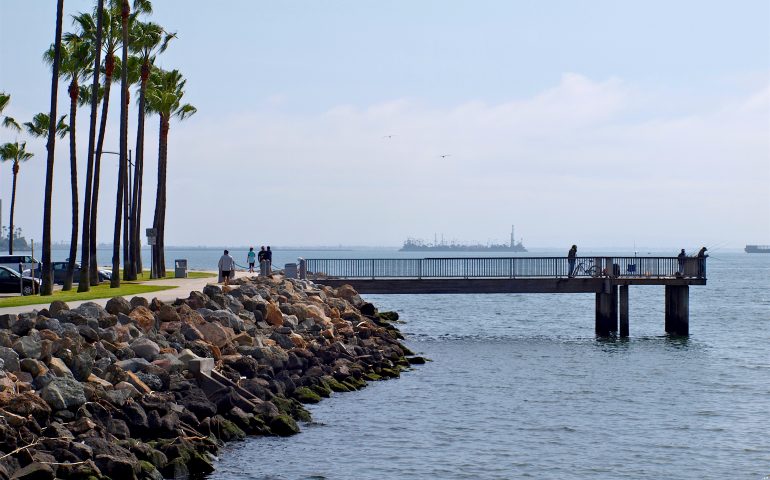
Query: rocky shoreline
[[151, 390]]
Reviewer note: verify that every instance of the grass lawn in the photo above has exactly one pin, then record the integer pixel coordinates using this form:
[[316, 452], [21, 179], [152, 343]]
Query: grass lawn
[[127, 289]]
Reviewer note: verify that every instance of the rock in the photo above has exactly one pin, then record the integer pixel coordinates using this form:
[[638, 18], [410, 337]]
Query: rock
[[33, 367], [190, 332], [132, 364], [62, 393], [274, 316], [283, 425], [348, 293], [139, 302], [216, 334], [10, 359], [23, 324], [282, 340], [27, 347], [88, 333], [7, 320], [114, 466], [34, 471], [81, 366], [56, 307], [168, 313], [118, 305], [59, 368], [137, 382], [143, 318], [26, 403], [119, 396], [145, 348], [225, 318], [91, 310]]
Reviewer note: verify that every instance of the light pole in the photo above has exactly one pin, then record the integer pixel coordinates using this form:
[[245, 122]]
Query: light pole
[[126, 202]]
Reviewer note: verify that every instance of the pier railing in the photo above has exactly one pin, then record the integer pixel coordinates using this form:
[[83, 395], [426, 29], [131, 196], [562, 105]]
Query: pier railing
[[507, 267]]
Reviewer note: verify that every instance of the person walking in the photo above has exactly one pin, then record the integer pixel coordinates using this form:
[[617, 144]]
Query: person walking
[[702, 262], [226, 267], [682, 258], [571, 257], [251, 258]]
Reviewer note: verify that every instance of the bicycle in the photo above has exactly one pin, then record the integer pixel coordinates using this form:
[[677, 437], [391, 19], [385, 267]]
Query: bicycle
[[585, 268]]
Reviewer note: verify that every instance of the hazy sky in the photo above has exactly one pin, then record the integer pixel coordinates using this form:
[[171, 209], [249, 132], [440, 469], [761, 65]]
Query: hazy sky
[[588, 122]]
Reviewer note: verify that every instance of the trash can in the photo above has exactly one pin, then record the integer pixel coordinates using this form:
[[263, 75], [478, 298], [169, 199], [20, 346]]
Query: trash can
[[180, 268], [290, 270]]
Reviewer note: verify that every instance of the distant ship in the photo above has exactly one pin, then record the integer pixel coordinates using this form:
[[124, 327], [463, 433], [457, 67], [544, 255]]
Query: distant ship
[[415, 245], [757, 249]]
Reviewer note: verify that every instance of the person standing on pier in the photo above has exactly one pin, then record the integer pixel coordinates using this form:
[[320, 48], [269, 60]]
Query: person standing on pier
[[571, 256], [261, 260], [251, 258], [681, 257], [226, 267], [702, 262], [269, 259]]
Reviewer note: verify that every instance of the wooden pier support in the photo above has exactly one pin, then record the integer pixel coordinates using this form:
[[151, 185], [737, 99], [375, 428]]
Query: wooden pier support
[[607, 312], [678, 309], [623, 310]]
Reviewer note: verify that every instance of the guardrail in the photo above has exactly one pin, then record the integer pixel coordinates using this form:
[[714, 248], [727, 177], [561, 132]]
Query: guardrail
[[506, 267]]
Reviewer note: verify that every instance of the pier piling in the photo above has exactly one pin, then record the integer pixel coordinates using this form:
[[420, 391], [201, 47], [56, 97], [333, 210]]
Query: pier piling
[[624, 330], [677, 309]]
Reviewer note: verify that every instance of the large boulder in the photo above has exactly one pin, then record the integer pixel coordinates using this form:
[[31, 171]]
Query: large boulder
[[216, 334], [56, 307], [91, 310], [62, 393], [143, 318], [118, 305], [27, 347], [145, 348], [10, 358], [274, 316], [34, 471]]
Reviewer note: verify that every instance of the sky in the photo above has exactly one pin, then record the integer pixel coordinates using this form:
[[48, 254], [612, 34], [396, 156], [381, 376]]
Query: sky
[[599, 123]]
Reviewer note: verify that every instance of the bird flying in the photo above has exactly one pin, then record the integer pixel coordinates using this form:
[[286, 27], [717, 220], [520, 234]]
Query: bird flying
[[446, 155]]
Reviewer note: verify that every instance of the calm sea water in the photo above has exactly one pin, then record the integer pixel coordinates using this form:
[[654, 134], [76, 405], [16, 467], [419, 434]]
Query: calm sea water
[[519, 387]]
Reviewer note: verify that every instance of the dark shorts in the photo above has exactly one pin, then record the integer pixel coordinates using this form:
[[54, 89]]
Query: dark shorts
[[225, 273], [251, 264]]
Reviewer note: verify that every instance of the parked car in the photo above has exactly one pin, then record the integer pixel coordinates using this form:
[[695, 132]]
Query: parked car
[[60, 270], [13, 261], [10, 282]]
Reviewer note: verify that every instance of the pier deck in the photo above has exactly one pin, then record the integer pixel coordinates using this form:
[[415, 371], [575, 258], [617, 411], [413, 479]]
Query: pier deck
[[607, 277]]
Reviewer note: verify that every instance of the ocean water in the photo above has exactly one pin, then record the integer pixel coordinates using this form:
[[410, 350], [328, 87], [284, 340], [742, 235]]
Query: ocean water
[[520, 388]]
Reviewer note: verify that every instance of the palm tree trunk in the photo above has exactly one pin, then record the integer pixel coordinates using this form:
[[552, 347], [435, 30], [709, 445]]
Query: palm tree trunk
[[136, 204], [122, 174], [160, 200], [73, 91], [109, 67], [85, 256], [47, 286], [13, 206]]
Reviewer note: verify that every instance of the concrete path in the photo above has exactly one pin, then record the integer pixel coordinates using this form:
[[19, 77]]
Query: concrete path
[[183, 288]]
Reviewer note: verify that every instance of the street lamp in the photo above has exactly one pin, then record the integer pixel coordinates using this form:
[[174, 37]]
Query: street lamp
[[130, 166]]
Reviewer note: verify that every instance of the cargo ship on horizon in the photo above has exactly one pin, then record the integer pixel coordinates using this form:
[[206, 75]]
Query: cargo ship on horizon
[[416, 245], [757, 249]]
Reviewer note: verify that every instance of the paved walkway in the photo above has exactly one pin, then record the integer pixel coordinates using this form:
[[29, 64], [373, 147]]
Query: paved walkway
[[183, 288]]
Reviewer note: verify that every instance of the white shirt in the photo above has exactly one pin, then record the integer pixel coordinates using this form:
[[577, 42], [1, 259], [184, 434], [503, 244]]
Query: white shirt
[[226, 263]]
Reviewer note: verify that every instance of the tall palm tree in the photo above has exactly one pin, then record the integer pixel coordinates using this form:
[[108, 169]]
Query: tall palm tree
[[147, 41], [7, 122], [110, 36], [75, 63], [16, 153], [84, 283], [165, 91], [123, 169], [47, 286]]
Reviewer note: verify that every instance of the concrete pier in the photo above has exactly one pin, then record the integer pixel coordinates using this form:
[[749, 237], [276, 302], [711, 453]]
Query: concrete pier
[[677, 309], [609, 278]]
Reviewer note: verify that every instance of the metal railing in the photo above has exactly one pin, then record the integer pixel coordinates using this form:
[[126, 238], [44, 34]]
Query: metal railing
[[506, 267]]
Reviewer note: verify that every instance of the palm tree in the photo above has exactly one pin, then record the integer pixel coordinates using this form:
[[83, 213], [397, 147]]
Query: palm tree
[[165, 91], [123, 169], [84, 283], [16, 153], [8, 122], [75, 61], [47, 286], [38, 127], [109, 34], [148, 40]]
